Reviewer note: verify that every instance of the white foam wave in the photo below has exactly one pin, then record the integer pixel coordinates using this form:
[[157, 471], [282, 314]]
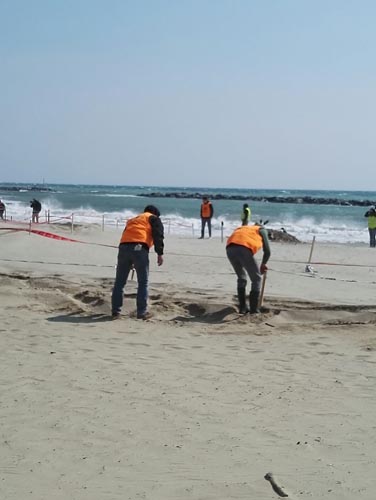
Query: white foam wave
[[326, 231], [114, 195]]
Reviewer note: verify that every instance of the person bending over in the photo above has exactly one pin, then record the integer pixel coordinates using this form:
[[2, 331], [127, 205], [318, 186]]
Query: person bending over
[[241, 248], [140, 234]]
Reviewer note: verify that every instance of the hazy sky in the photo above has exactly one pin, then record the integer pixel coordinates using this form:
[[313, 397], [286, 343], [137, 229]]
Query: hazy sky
[[216, 93]]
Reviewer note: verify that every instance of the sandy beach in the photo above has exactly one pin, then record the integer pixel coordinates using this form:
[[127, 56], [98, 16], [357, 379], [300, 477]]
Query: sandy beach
[[198, 402]]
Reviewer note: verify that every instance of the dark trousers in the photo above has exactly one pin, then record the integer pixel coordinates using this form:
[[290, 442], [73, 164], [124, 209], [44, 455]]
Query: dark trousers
[[131, 254], [372, 237], [204, 221], [243, 262]]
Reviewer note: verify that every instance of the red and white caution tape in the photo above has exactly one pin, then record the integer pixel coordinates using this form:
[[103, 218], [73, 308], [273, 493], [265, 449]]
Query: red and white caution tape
[[54, 236]]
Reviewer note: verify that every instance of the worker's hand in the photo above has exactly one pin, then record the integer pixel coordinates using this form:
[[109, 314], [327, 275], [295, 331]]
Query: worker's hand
[[160, 260], [263, 268]]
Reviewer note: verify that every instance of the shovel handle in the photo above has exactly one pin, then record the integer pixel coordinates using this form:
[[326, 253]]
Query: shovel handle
[[261, 299]]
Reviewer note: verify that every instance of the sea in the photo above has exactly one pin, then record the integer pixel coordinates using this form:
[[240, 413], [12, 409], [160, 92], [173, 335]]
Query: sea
[[110, 206]]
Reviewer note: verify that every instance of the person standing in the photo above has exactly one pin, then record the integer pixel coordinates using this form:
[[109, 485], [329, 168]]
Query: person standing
[[140, 234], [246, 215], [36, 207], [206, 214], [2, 209], [241, 247], [371, 214]]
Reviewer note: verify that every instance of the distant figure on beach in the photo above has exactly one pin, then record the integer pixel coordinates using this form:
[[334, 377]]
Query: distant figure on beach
[[246, 214], [2, 209], [140, 234], [241, 248], [37, 207], [371, 214], [206, 214]]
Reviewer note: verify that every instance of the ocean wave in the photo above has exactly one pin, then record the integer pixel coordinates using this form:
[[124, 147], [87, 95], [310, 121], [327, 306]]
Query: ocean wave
[[339, 229], [341, 225]]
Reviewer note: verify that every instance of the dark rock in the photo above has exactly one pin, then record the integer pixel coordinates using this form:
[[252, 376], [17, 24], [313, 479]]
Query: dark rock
[[308, 200], [39, 189], [281, 235]]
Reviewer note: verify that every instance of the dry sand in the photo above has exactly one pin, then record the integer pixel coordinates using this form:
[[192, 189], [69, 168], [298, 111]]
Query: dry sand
[[198, 402]]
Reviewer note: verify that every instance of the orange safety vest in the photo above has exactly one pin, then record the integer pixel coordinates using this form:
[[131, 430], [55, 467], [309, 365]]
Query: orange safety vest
[[138, 230], [246, 236], [206, 210]]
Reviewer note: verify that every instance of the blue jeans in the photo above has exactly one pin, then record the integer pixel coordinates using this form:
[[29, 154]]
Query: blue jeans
[[131, 254]]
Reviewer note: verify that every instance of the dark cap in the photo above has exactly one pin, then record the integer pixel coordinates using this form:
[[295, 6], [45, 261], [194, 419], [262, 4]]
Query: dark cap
[[153, 210]]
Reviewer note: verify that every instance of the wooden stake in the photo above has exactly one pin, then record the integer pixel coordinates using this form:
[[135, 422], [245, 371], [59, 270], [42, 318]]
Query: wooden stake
[[311, 252], [261, 299]]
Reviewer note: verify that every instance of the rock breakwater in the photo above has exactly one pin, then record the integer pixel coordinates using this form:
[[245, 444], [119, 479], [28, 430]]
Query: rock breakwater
[[309, 200]]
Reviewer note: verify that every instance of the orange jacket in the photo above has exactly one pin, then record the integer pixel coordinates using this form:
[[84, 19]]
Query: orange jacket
[[206, 210], [246, 236], [138, 230]]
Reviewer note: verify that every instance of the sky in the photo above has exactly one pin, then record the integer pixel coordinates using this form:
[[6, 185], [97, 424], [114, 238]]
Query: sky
[[275, 94]]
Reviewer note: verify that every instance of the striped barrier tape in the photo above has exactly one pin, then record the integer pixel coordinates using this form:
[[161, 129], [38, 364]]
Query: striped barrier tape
[[64, 238], [54, 236]]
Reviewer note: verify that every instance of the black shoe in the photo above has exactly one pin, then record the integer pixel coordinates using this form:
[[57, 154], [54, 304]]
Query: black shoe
[[243, 309], [115, 315]]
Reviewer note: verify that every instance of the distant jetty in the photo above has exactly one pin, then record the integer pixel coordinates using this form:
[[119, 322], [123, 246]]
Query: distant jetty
[[19, 189], [309, 200]]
